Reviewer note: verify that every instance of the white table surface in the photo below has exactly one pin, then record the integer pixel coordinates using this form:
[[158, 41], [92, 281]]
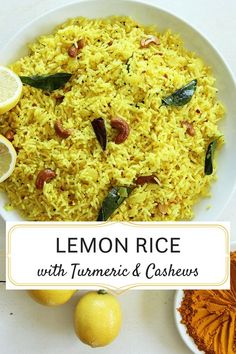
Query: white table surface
[[33, 329]]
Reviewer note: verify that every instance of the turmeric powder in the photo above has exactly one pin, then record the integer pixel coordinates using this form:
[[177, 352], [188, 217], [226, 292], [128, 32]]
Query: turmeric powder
[[210, 316]]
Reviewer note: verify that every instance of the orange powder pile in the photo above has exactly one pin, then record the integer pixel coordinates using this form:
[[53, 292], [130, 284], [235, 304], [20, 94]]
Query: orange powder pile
[[210, 316]]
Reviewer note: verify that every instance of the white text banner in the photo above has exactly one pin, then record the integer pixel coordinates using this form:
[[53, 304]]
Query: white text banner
[[117, 256]]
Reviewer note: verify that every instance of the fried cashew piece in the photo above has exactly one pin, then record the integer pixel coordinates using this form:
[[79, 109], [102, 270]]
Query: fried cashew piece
[[189, 128], [123, 129], [145, 42], [44, 176], [9, 135], [63, 133], [141, 180]]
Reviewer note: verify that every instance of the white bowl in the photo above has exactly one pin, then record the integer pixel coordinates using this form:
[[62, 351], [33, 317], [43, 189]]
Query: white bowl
[[180, 326], [223, 189]]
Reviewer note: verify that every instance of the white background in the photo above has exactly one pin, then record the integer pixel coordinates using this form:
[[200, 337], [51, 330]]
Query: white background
[[148, 325]]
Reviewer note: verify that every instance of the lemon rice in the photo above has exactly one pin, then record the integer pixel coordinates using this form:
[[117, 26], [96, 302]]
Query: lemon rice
[[112, 75]]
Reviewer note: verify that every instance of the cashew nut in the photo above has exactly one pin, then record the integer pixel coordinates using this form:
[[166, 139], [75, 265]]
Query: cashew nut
[[190, 129], [123, 129], [147, 179], [63, 133], [145, 42], [9, 135], [44, 176]]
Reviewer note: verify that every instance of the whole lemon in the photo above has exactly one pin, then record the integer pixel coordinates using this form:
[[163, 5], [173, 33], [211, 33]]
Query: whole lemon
[[51, 297], [97, 318]]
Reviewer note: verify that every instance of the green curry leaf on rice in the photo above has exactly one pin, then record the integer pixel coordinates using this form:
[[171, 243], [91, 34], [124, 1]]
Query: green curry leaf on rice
[[209, 157], [113, 200], [47, 82], [128, 62], [182, 96]]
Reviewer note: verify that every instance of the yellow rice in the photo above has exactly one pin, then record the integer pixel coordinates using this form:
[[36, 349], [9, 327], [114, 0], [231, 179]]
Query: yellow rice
[[102, 87]]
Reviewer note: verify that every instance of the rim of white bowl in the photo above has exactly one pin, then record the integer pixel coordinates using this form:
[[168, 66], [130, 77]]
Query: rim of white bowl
[[187, 339], [151, 6]]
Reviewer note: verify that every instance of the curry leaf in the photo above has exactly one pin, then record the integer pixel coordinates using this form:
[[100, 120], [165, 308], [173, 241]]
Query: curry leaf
[[182, 95], [128, 63], [113, 200], [100, 132], [209, 157], [47, 82]]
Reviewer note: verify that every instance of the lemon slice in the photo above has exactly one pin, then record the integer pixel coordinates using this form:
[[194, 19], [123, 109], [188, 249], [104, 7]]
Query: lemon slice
[[10, 89], [7, 158]]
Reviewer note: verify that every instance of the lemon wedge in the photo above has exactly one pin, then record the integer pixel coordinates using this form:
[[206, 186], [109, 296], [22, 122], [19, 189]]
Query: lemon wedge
[[7, 158], [10, 89]]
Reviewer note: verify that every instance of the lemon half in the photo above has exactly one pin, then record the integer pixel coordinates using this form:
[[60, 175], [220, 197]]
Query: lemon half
[[10, 89], [7, 158]]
